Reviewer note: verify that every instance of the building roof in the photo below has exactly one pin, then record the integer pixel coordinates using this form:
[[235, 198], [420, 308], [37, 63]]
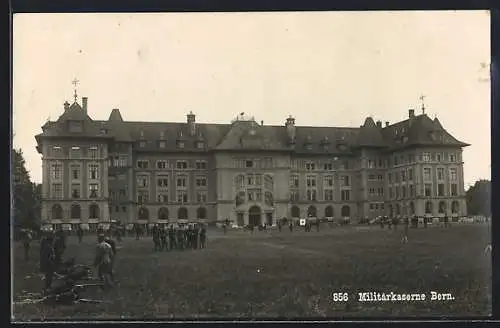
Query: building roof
[[246, 134]]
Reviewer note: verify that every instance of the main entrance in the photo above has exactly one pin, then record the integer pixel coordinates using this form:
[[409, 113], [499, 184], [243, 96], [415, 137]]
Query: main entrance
[[254, 216]]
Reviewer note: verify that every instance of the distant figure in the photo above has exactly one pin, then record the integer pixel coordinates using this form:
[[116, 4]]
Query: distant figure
[[59, 245], [446, 221], [79, 233], [405, 233], [163, 239], [137, 232], [103, 259], [381, 221], [47, 258], [317, 225], [426, 219], [290, 226], [171, 238], [111, 243], [156, 239], [27, 238], [396, 222]]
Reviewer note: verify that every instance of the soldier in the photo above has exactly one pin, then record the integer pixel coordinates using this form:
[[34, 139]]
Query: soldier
[[111, 243], [171, 237], [137, 231], [203, 236], [156, 239], [59, 245], [79, 233], [47, 258], [290, 225], [279, 225], [163, 238], [103, 258], [180, 238], [27, 238]]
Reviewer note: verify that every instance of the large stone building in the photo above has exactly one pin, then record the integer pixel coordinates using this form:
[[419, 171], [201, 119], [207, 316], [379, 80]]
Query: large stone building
[[249, 172]]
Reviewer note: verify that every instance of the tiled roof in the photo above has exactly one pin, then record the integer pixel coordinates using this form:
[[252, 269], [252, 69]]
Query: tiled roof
[[249, 135]]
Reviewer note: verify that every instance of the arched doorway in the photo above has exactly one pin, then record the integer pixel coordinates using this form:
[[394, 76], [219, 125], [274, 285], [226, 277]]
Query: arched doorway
[[442, 207], [143, 213], [312, 212], [182, 214], [94, 211], [455, 206], [76, 211], [345, 211], [57, 212], [329, 211], [201, 213], [295, 212], [254, 216], [163, 213]]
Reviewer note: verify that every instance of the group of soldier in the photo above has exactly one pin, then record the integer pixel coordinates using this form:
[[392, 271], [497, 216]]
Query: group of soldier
[[192, 236]]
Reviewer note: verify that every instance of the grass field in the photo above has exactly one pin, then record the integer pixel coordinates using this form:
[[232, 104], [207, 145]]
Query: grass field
[[282, 275]]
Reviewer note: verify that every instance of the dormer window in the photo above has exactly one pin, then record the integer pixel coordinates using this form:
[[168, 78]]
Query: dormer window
[[75, 126], [162, 144]]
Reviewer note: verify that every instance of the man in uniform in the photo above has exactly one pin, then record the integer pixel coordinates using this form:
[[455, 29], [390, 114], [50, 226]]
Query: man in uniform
[[163, 239], [171, 237], [103, 259], [156, 239], [47, 258], [203, 236]]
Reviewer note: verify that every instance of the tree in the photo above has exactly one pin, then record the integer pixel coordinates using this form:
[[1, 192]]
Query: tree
[[26, 200], [479, 198]]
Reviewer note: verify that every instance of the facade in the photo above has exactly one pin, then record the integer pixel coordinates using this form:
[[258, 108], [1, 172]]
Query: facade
[[245, 171]]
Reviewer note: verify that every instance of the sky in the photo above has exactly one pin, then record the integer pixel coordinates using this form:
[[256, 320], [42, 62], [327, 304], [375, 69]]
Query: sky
[[323, 68]]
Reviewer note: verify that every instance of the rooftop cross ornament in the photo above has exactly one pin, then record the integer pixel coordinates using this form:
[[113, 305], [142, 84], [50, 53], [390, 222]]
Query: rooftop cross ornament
[[75, 83], [422, 97]]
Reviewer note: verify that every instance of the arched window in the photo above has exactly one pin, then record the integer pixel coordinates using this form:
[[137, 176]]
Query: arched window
[[428, 207], [201, 213], [311, 212], [329, 211], [57, 212], [182, 214], [76, 211], [295, 212], [163, 213], [94, 211], [345, 211], [455, 207], [442, 207], [143, 213]]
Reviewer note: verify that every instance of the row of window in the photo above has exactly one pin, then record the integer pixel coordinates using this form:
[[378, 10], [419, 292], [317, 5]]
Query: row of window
[[162, 181], [75, 211], [439, 157], [311, 181], [403, 192], [242, 181], [181, 197], [440, 173], [328, 166], [57, 171], [76, 190], [258, 163], [75, 151], [254, 195], [180, 144], [312, 195], [179, 165]]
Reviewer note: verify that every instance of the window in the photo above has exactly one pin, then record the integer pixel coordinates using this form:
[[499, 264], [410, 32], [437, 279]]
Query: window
[[181, 182], [201, 197], [162, 182], [396, 189], [428, 190], [142, 196], [389, 177], [440, 173], [248, 163], [93, 190], [93, 152], [201, 165], [311, 195], [371, 164], [328, 195], [371, 191], [124, 209], [310, 166], [380, 177], [200, 145], [403, 176], [294, 181], [201, 181], [371, 177], [182, 197], [403, 192], [122, 193], [345, 165], [426, 157], [380, 191], [75, 172], [440, 190], [345, 195], [76, 152], [93, 171], [75, 190], [410, 174], [56, 171], [57, 190], [162, 144], [181, 165], [142, 181], [161, 165], [142, 144], [328, 166], [391, 193], [453, 174], [412, 190], [439, 157], [328, 182], [453, 158], [163, 198], [380, 163], [294, 196], [240, 181], [411, 158], [395, 160], [345, 180], [454, 189], [180, 144], [311, 181], [427, 173], [143, 164], [371, 207], [121, 177]]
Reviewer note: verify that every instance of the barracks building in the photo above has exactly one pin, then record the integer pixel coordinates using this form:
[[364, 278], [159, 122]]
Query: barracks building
[[245, 171]]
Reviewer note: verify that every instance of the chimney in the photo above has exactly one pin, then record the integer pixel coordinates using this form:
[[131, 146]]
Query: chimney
[[84, 103], [379, 124], [290, 128], [411, 113], [386, 123], [191, 120], [261, 122]]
